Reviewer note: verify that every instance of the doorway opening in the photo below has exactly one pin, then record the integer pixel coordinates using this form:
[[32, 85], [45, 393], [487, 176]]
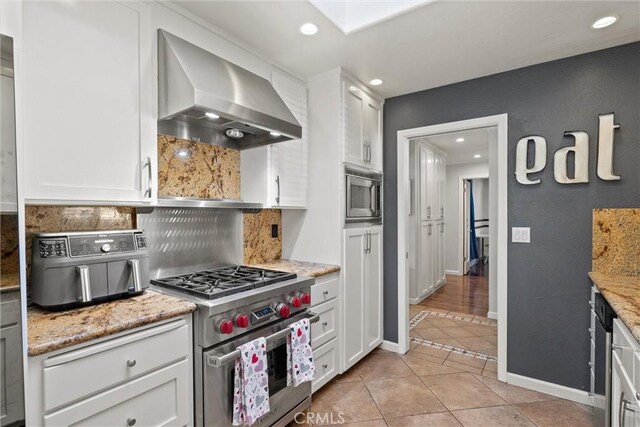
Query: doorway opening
[[452, 239]]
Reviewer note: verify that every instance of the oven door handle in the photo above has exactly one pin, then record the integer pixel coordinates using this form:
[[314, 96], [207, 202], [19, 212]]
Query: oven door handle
[[217, 361]]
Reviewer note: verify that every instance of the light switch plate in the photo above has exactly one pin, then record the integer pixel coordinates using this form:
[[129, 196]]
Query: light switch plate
[[520, 234]]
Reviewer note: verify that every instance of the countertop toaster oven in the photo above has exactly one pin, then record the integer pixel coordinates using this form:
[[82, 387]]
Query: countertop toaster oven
[[82, 268]]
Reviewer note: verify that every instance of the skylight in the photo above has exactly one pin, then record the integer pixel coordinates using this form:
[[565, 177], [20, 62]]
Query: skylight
[[353, 15]]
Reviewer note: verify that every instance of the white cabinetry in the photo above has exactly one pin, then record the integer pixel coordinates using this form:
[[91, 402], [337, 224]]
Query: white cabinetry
[[625, 377], [430, 196], [362, 127], [117, 381], [89, 126], [362, 296], [325, 339], [11, 379], [276, 174]]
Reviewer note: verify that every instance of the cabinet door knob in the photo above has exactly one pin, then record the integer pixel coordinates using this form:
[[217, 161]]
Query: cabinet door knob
[[324, 324], [325, 293], [131, 421], [325, 366], [131, 363]]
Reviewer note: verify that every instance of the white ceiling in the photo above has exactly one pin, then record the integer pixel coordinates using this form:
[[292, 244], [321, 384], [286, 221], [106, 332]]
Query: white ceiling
[[476, 141], [440, 43]]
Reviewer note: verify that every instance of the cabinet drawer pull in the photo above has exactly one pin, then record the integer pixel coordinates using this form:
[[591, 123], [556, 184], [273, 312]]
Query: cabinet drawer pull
[[324, 324], [325, 366], [149, 190], [325, 293], [131, 421], [131, 363]]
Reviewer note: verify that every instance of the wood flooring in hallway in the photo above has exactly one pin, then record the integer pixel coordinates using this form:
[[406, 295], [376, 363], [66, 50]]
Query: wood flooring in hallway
[[463, 294]]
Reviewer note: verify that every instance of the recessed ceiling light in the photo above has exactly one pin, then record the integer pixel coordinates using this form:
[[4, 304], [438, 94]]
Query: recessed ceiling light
[[476, 156], [376, 82], [308, 29], [460, 140], [605, 21], [275, 133], [212, 115]]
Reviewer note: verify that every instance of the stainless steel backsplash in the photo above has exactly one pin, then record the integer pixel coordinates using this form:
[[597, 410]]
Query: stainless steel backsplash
[[183, 240]]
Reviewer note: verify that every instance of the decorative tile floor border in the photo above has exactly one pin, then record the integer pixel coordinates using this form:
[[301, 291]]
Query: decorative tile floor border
[[421, 341]]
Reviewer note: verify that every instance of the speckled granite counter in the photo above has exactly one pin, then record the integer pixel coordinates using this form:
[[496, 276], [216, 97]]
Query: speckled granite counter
[[623, 293], [301, 268], [48, 331], [9, 282]]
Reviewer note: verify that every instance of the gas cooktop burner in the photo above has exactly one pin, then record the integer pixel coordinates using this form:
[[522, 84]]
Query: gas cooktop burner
[[224, 281]]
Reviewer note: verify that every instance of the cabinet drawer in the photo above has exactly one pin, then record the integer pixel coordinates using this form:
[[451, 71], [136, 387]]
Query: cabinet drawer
[[325, 328], [94, 368], [157, 399], [326, 358], [625, 344], [324, 291]]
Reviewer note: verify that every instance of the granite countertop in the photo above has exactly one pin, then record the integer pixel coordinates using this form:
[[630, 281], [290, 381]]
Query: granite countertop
[[301, 268], [9, 282], [623, 294], [52, 330]]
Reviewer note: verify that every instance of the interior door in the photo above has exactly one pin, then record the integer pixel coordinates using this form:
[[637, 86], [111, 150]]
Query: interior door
[[466, 227], [426, 276]]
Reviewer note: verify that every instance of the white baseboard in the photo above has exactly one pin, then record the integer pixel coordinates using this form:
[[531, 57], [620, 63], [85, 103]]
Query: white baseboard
[[556, 390], [453, 272], [492, 315], [418, 300], [390, 346]]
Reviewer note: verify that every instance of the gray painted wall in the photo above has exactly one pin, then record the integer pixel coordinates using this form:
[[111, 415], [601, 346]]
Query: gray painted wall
[[548, 287]]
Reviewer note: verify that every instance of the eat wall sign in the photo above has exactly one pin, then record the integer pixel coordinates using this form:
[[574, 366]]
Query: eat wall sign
[[606, 130]]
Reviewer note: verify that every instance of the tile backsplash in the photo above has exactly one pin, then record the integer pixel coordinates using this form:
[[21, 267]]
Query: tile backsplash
[[198, 170], [616, 241]]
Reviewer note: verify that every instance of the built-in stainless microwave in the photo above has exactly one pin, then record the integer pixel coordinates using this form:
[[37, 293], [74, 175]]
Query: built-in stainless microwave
[[364, 196]]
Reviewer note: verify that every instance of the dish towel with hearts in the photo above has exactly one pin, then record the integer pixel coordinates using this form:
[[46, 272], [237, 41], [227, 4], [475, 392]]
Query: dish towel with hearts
[[300, 364], [251, 383]]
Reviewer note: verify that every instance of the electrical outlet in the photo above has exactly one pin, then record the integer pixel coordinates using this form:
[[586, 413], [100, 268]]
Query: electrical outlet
[[520, 234], [274, 230]]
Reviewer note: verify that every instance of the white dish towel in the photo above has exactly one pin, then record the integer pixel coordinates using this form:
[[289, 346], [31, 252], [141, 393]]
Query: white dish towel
[[300, 363], [251, 383]]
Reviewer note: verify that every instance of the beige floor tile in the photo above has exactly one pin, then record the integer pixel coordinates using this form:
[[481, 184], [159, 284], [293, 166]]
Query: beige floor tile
[[496, 416], [489, 374], [431, 351], [475, 343], [414, 310], [423, 356], [403, 396], [412, 345], [513, 394], [440, 322], [459, 332], [350, 400], [431, 333], [491, 365], [379, 366], [425, 367], [463, 367], [463, 315], [461, 391], [372, 423], [491, 339], [414, 333], [482, 330], [450, 342], [556, 413], [490, 351], [466, 360], [438, 419], [348, 377]]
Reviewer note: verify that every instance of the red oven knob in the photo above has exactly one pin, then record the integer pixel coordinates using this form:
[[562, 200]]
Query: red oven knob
[[225, 326], [296, 302], [242, 321], [306, 298], [283, 310]]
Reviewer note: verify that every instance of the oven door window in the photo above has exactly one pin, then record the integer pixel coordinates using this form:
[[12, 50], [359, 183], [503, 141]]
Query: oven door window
[[277, 368]]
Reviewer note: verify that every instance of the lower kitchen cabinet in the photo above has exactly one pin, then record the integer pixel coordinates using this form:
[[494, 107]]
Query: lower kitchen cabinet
[[117, 381], [362, 295], [325, 339], [625, 377], [11, 382]]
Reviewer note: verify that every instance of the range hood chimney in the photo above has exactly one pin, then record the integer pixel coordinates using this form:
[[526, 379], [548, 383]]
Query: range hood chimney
[[205, 98]]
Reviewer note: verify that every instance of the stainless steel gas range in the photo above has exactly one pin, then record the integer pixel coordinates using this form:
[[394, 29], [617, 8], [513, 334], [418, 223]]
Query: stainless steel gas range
[[194, 254], [237, 304]]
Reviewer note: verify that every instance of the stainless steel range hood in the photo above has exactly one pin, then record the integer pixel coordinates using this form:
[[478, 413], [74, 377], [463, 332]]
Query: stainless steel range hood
[[205, 98]]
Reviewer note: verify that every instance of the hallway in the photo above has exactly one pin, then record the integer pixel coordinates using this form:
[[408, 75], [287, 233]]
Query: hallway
[[463, 294]]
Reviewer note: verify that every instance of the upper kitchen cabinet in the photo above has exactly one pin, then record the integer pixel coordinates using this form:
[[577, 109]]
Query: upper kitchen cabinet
[[362, 127], [276, 175], [89, 125]]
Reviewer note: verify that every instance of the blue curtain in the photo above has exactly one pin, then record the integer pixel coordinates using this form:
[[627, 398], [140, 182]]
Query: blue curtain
[[473, 242]]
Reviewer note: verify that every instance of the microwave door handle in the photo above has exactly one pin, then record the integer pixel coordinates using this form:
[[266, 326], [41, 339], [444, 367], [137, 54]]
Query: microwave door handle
[[217, 361], [374, 199], [135, 274], [85, 282]]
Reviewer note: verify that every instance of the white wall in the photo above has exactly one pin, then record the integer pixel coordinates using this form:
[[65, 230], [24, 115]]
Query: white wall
[[481, 198], [453, 244]]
